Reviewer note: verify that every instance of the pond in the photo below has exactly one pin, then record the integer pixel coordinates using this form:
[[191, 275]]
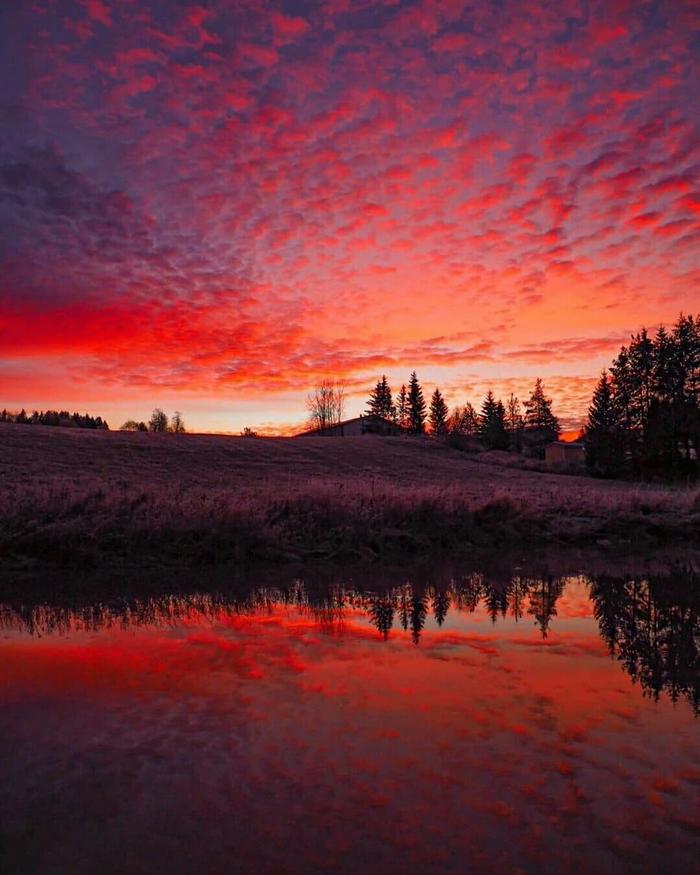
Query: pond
[[473, 724]]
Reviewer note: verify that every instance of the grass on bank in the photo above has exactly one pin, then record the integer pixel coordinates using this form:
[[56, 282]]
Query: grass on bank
[[85, 499]]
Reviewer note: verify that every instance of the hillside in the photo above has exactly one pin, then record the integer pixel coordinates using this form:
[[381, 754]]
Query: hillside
[[82, 496]]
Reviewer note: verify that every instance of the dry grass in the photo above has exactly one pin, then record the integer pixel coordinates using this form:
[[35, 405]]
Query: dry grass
[[87, 497]]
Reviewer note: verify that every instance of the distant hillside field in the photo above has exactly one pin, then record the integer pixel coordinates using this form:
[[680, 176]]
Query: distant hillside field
[[69, 496]]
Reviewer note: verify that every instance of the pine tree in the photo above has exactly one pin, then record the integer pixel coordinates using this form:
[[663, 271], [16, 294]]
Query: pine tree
[[500, 425], [440, 605], [640, 357], [380, 401], [389, 406], [543, 602], [418, 615], [488, 413], [438, 413], [632, 375], [416, 406], [402, 407], [488, 408], [514, 423], [603, 439], [382, 613], [375, 400], [623, 394], [404, 605], [496, 600], [686, 401], [492, 423], [664, 366], [689, 340], [661, 426], [541, 425]]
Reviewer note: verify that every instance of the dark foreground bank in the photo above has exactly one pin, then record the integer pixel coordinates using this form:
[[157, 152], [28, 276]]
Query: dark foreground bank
[[92, 499]]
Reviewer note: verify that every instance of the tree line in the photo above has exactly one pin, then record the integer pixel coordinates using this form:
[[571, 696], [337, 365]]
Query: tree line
[[61, 418], [644, 418], [512, 426], [159, 423]]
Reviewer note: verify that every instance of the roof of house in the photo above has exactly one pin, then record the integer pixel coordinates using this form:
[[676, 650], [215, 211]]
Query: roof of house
[[371, 417]]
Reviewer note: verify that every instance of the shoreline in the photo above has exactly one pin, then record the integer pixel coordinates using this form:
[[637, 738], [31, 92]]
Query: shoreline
[[38, 583], [88, 501], [302, 529]]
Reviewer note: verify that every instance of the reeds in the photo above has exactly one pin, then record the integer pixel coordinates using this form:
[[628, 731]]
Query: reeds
[[325, 518]]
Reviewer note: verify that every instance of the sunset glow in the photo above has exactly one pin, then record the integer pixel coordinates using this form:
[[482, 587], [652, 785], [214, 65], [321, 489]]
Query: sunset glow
[[211, 208]]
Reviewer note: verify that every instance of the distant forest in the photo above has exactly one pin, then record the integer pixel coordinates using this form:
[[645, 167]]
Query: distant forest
[[159, 421], [55, 417]]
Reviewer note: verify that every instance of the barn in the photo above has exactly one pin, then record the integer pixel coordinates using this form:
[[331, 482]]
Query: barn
[[368, 424]]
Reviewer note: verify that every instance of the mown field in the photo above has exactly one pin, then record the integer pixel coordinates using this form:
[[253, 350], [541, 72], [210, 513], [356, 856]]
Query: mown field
[[85, 498]]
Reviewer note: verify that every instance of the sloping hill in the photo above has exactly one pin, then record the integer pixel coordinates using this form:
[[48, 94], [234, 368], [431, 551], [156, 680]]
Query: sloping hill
[[207, 498], [217, 460]]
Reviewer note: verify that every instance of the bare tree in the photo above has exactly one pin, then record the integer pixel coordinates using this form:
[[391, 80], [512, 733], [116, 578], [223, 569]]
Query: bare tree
[[158, 421], [325, 404], [177, 423], [133, 425]]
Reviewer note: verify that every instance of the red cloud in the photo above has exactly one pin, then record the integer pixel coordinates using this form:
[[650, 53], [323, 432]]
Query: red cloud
[[670, 229], [287, 27], [98, 11], [237, 192], [255, 55], [603, 32], [672, 184], [644, 220], [450, 42], [197, 15]]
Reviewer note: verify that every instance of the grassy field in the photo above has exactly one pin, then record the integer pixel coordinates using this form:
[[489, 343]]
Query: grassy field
[[87, 498]]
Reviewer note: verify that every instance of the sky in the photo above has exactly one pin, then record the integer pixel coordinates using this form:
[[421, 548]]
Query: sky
[[213, 207]]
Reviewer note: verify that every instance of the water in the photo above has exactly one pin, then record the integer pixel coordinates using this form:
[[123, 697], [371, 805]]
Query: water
[[521, 725]]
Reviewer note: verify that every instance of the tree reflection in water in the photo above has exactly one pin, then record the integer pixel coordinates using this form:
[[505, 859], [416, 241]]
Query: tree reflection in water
[[651, 625]]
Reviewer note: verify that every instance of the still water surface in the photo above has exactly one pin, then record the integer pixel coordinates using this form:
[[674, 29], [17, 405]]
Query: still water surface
[[528, 725]]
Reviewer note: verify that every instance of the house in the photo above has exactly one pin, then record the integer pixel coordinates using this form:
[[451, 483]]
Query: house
[[368, 424], [569, 453]]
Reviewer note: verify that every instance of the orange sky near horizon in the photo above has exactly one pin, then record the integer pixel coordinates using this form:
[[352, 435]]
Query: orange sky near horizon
[[210, 208]]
